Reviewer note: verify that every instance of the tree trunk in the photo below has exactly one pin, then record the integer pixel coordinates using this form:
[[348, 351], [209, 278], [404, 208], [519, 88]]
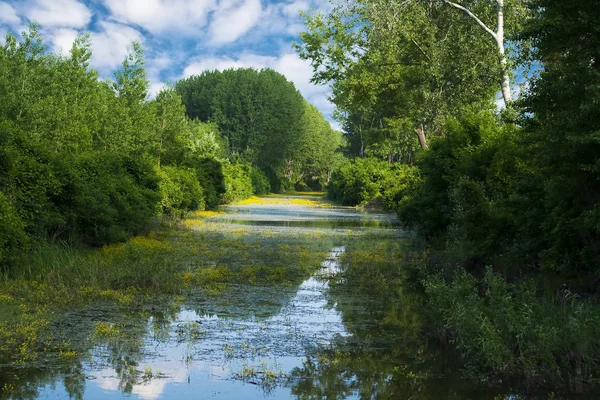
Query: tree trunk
[[421, 134], [503, 63], [498, 38]]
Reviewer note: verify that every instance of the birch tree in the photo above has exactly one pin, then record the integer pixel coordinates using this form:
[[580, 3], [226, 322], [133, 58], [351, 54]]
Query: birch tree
[[401, 61], [498, 37]]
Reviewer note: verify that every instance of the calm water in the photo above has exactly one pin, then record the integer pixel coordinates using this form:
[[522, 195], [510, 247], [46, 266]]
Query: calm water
[[337, 335]]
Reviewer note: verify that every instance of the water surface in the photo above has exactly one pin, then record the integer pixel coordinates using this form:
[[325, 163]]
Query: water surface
[[334, 334]]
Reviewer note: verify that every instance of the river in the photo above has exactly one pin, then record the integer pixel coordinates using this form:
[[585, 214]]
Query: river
[[348, 329]]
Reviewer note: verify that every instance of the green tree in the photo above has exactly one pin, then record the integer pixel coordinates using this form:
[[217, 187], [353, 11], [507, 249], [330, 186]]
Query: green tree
[[399, 68], [562, 118]]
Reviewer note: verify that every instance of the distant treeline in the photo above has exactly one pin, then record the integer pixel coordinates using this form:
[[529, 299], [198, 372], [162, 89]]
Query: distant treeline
[[93, 161], [266, 123]]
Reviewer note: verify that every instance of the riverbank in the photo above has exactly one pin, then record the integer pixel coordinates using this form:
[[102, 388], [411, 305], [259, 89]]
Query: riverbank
[[278, 296]]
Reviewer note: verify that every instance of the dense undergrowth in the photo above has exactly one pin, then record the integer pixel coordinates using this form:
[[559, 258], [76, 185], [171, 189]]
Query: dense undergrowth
[[507, 335], [91, 162]]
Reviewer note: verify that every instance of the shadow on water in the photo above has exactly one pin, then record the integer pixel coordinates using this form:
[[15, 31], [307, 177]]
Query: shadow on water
[[352, 329]]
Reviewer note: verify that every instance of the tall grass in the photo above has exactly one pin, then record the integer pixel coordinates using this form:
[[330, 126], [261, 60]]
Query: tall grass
[[506, 330]]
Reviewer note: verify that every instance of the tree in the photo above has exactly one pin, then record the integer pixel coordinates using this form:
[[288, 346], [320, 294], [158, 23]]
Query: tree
[[170, 113], [562, 119], [263, 118], [497, 35], [412, 62]]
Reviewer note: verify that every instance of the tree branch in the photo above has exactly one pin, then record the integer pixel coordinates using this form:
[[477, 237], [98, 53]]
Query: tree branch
[[420, 49], [470, 14]]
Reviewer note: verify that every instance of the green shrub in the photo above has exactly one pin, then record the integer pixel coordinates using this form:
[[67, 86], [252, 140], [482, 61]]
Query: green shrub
[[367, 178], [278, 183], [33, 180], [12, 231], [503, 329], [238, 183], [210, 174], [260, 182], [180, 190], [108, 197], [467, 196]]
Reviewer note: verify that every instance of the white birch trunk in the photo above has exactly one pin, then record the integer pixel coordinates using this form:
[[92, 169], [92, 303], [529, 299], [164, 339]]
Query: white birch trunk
[[498, 36]]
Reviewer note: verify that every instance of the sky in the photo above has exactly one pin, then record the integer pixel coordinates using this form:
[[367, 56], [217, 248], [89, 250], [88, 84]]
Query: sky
[[180, 37]]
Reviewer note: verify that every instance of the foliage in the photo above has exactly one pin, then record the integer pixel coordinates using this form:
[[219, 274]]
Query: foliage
[[12, 232], [238, 182], [180, 190], [562, 120], [260, 182], [401, 67], [93, 161], [508, 331], [366, 179], [265, 122], [468, 183], [107, 197], [210, 173]]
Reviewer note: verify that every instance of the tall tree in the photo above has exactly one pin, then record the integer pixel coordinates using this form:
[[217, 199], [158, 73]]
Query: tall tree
[[406, 63], [563, 121]]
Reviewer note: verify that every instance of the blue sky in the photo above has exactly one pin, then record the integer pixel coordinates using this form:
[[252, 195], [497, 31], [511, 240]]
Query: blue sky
[[180, 37]]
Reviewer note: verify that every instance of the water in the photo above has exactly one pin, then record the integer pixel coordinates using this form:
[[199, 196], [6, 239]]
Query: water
[[337, 334]]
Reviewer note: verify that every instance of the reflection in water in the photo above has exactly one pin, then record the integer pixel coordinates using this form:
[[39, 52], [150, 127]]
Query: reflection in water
[[175, 351], [327, 224]]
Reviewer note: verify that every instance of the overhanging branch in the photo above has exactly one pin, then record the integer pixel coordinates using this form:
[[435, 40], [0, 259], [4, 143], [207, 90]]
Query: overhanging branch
[[470, 14]]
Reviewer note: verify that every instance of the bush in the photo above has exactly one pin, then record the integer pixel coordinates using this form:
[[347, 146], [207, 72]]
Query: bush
[[260, 182], [467, 197], [238, 183], [366, 179], [278, 183], [12, 231], [180, 190], [505, 330], [107, 197], [210, 174]]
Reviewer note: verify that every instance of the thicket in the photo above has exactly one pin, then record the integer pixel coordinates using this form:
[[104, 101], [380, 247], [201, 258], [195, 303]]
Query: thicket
[[93, 161], [367, 179], [517, 190], [506, 329], [520, 184]]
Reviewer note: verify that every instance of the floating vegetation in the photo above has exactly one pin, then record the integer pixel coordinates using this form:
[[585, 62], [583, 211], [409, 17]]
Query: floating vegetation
[[279, 200], [266, 374]]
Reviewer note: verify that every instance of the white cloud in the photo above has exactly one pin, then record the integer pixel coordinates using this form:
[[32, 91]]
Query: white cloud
[[8, 15], [335, 125], [222, 63], [294, 9], [233, 19], [288, 64], [65, 13], [155, 88], [109, 46], [284, 18], [62, 40], [162, 15]]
